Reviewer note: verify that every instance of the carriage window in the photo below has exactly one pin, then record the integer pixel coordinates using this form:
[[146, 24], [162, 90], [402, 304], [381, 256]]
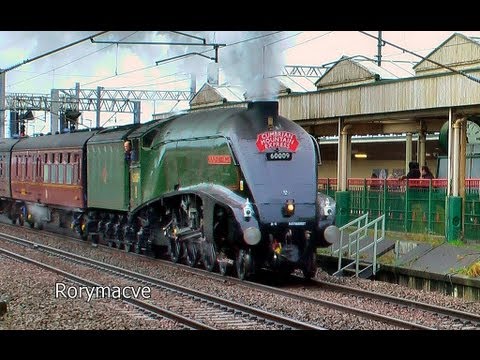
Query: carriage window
[[69, 174], [25, 167], [46, 173], [68, 158], [22, 167], [38, 167], [53, 178], [60, 158], [45, 158], [32, 162], [61, 170], [76, 161]]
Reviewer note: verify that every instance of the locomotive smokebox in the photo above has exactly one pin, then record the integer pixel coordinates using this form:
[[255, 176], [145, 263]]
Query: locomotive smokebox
[[264, 109]]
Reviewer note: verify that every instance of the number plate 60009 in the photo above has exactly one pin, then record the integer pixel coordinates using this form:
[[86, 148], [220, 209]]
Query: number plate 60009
[[279, 156]]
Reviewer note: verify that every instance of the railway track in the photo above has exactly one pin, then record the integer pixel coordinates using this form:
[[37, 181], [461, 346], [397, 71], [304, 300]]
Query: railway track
[[143, 307], [192, 308], [470, 320], [446, 318]]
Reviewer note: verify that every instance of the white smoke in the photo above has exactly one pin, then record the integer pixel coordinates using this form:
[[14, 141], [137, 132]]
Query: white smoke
[[181, 59], [247, 63], [250, 59], [253, 64], [92, 64]]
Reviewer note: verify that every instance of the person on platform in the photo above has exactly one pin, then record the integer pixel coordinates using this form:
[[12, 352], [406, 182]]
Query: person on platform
[[414, 171], [426, 173]]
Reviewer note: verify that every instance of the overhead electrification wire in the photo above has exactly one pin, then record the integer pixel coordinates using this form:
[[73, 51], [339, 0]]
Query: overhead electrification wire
[[181, 57], [112, 76], [134, 70], [185, 78], [431, 49], [251, 39], [306, 41], [69, 75], [51, 52], [173, 60], [66, 64], [459, 72], [110, 118], [285, 38]]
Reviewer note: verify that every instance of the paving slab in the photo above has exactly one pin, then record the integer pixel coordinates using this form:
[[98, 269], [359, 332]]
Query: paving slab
[[444, 259]]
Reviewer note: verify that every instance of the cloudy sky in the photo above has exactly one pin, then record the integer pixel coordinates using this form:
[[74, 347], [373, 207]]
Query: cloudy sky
[[248, 58]]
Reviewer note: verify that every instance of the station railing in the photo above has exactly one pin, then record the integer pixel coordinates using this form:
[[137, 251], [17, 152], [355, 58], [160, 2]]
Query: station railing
[[414, 205]]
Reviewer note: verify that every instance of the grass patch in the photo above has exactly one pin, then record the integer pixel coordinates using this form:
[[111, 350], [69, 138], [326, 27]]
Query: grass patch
[[457, 243], [434, 240], [472, 270], [387, 258]]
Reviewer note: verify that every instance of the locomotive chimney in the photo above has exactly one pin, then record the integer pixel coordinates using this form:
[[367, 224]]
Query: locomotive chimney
[[265, 109]]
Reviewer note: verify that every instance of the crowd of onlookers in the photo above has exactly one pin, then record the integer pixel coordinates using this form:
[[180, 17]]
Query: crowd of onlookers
[[414, 172]]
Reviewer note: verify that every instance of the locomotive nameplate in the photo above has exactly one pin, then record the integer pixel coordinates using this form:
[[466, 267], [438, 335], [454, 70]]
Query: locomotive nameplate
[[219, 159], [279, 156]]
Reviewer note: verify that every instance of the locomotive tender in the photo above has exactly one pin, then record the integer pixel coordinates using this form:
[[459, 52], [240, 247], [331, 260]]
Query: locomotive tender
[[232, 188]]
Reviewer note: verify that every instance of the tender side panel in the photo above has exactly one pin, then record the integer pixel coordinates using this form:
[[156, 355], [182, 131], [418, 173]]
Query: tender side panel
[[107, 179]]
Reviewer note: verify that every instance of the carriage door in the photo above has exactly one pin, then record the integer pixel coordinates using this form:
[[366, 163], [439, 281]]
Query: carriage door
[[135, 190]]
